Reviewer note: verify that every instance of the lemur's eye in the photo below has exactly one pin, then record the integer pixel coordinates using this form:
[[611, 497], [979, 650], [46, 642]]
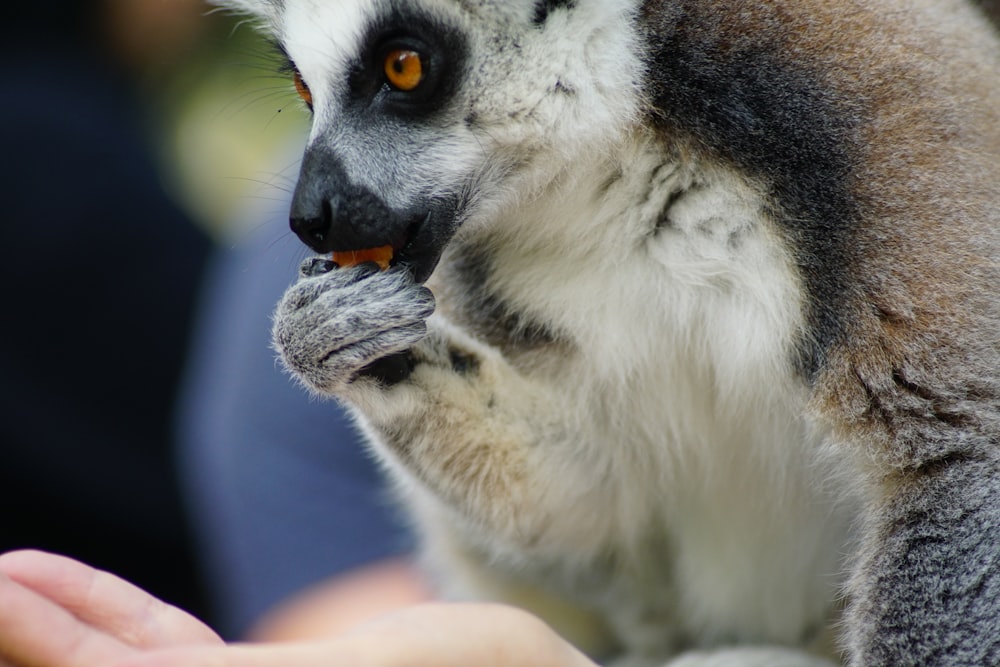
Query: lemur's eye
[[302, 89], [404, 69]]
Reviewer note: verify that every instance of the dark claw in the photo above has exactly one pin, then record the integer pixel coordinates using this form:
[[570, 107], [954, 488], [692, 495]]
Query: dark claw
[[316, 266]]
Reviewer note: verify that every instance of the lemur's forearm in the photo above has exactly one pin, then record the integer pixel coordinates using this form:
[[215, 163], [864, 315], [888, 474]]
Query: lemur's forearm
[[471, 428], [462, 420], [928, 582]]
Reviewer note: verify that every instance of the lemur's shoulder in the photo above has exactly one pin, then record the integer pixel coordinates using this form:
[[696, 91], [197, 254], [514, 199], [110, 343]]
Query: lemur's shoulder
[[876, 139]]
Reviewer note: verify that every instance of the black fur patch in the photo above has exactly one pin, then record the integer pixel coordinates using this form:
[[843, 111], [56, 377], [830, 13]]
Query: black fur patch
[[665, 221], [991, 8], [462, 363], [482, 312], [391, 370], [773, 119], [545, 7]]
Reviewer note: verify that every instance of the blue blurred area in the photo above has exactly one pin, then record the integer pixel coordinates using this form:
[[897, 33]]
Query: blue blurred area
[[98, 282], [285, 494]]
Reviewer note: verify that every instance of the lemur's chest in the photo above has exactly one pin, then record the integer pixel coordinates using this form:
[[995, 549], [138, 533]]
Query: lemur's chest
[[638, 265], [657, 294], [671, 325]]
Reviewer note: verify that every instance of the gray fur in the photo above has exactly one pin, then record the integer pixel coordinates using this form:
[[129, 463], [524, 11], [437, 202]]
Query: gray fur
[[332, 325], [927, 589]]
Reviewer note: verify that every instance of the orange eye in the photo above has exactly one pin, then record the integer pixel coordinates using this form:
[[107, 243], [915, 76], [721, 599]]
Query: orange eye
[[404, 69], [302, 89]]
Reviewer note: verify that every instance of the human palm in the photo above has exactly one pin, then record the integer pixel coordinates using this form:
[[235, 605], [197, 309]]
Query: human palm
[[57, 612]]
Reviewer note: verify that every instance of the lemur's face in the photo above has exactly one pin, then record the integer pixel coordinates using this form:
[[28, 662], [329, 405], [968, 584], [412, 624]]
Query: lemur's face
[[433, 114]]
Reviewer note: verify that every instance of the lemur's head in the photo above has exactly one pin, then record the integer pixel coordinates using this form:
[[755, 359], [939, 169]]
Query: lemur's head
[[432, 114]]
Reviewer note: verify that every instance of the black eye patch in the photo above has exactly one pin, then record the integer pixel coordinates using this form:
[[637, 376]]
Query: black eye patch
[[442, 54], [545, 7]]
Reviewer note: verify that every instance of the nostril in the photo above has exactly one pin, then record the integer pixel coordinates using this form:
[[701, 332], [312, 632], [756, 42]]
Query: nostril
[[314, 231]]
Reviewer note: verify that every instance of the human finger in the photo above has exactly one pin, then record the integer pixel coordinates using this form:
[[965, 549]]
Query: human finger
[[37, 632], [106, 602]]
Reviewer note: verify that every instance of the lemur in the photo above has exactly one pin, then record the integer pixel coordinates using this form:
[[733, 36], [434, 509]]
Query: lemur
[[690, 337]]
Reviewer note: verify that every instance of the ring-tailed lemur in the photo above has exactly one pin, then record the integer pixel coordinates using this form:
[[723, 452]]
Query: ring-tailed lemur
[[692, 323]]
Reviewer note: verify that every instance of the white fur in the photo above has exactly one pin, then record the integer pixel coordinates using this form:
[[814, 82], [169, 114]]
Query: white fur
[[710, 440]]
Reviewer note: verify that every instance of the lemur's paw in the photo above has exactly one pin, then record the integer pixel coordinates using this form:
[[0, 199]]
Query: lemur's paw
[[335, 325]]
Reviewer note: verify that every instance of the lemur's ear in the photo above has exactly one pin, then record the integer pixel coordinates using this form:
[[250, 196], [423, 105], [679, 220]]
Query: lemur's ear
[[545, 7]]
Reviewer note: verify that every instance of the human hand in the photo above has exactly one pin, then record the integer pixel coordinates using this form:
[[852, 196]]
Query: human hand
[[427, 635], [55, 612]]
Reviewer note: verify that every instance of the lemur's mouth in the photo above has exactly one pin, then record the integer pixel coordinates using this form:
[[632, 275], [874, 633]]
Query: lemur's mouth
[[381, 255], [426, 239], [330, 214], [420, 250]]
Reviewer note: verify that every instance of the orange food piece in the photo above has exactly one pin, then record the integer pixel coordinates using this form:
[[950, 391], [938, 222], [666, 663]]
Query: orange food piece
[[381, 256]]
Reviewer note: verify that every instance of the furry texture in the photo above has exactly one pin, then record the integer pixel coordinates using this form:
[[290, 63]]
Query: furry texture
[[714, 361]]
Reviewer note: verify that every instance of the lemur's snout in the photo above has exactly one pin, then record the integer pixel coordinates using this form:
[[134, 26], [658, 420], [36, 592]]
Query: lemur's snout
[[330, 213]]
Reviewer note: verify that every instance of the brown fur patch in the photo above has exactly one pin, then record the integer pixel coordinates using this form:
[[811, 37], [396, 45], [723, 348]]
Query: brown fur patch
[[909, 364]]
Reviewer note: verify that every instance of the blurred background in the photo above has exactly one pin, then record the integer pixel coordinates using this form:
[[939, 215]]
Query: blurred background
[[136, 138]]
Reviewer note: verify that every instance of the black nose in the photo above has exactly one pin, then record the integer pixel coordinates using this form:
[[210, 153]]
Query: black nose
[[314, 230], [330, 213]]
